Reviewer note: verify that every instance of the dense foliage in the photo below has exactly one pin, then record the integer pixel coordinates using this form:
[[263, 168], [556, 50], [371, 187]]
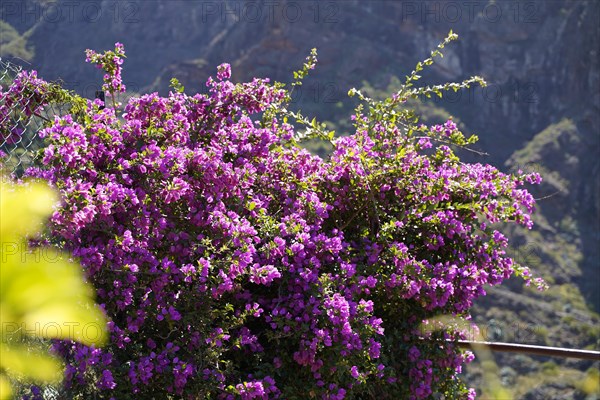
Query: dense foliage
[[233, 263]]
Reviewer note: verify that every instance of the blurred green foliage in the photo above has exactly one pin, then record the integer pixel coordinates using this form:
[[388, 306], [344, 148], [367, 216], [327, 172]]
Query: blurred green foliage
[[42, 293]]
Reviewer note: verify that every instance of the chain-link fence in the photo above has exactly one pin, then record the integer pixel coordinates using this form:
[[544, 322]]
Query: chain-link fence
[[21, 149]]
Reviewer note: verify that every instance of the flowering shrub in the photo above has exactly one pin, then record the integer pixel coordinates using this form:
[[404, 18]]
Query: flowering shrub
[[234, 264]]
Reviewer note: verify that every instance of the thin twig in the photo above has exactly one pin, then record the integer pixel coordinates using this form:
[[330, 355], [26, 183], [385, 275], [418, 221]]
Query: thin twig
[[352, 217], [550, 195], [481, 153], [42, 117]]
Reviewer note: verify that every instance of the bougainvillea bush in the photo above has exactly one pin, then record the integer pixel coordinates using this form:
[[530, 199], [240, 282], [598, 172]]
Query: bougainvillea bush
[[232, 263]]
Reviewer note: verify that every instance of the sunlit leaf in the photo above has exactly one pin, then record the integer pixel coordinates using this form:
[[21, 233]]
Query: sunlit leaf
[[42, 293]]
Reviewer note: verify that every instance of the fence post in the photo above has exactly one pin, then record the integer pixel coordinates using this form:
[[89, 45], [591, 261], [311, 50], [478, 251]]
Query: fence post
[[100, 95]]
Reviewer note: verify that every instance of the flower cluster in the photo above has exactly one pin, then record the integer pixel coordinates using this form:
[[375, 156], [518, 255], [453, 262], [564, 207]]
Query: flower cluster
[[22, 99], [234, 264], [110, 62]]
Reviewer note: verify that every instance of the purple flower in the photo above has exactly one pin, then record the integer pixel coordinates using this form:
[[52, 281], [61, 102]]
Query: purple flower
[[414, 354], [223, 71], [106, 381]]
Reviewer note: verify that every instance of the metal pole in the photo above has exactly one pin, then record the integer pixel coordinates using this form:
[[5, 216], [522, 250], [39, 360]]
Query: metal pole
[[100, 95], [531, 349]]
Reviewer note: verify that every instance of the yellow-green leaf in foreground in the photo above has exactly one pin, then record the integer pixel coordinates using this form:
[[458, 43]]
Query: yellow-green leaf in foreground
[[42, 293], [24, 208]]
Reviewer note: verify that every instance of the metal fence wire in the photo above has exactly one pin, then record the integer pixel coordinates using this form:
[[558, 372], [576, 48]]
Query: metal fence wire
[[24, 149]]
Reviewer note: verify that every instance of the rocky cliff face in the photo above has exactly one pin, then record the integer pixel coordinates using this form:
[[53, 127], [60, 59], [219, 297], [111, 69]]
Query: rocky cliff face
[[540, 57], [539, 113]]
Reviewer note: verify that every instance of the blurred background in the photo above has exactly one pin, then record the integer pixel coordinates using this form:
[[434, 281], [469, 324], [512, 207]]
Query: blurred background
[[539, 113]]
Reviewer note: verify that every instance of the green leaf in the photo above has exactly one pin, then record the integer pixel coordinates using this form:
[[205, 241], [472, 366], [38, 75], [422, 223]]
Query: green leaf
[[176, 85], [30, 362], [41, 291]]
